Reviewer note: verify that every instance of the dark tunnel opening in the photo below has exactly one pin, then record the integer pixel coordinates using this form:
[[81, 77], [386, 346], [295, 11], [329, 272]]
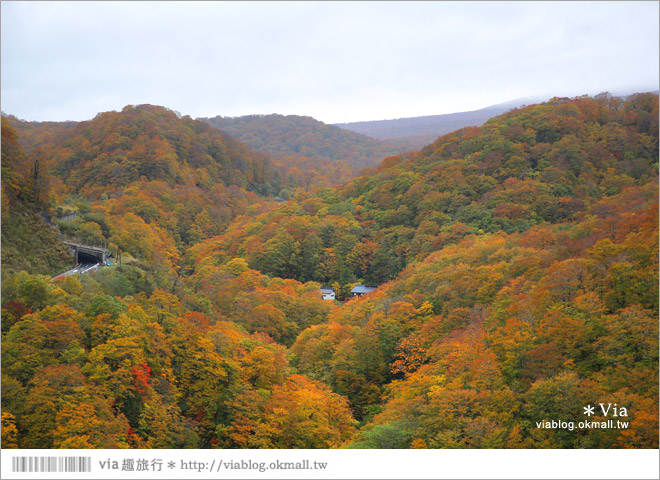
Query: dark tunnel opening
[[87, 258]]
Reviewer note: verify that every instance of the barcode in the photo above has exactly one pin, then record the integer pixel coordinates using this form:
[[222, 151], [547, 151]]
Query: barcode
[[51, 464]]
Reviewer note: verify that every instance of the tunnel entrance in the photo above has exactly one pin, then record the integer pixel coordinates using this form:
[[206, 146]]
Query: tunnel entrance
[[86, 257], [87, 254]]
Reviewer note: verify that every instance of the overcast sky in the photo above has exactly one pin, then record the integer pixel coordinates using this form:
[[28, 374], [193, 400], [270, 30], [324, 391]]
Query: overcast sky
[[334, 61]]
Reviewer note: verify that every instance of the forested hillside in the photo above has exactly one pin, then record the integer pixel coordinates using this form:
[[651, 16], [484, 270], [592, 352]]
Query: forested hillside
[[148, 143], [537, 165], [531, 283], [29, 240], [149, 182], [482, 339], [517, 274], [36, 134], [316, 150]]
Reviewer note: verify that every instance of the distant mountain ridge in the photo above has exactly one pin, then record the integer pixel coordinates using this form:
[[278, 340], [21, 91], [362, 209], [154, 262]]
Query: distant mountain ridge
[[424, 130], [420, 131]]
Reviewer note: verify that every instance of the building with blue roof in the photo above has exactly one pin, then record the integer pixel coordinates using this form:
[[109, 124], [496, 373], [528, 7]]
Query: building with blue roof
[[359, 290]]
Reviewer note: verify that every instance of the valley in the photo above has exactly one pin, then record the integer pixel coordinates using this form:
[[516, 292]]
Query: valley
[[516, 265]]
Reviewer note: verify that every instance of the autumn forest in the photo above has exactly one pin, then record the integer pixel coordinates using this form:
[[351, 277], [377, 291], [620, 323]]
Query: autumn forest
[[515, 267]]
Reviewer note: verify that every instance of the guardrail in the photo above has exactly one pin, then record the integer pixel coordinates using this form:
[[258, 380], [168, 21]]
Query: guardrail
[[63, 272]]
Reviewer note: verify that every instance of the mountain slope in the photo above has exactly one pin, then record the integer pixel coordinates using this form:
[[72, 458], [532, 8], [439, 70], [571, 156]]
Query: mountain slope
[[293, 135], [517, 266], [484, 340], [35, 134], [152, 143], [536, 165], [29, 240], [517, 273], [149, 182]]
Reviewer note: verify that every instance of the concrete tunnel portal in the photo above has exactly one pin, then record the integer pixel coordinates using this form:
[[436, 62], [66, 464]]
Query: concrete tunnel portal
[[87, 255], [84, 257]]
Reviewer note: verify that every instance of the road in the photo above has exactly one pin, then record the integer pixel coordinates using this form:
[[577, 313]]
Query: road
[[80, 269]]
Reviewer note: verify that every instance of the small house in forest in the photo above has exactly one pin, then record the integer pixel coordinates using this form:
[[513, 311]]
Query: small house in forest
[[327, 293], [359, 290]]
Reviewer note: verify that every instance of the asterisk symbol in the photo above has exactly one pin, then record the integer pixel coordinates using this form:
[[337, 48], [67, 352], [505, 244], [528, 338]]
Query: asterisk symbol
[[588, 410], [171, 465]]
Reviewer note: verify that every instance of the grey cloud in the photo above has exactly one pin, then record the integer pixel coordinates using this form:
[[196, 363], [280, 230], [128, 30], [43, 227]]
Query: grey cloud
[[336, 61]]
